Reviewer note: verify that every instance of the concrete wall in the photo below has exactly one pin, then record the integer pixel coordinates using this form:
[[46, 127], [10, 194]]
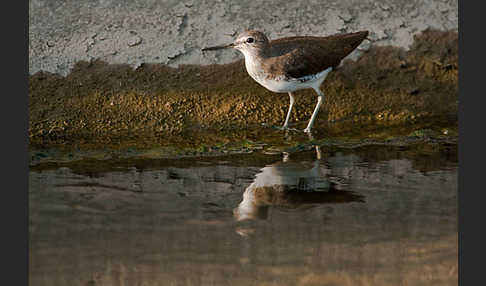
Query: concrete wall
[[62, 32]]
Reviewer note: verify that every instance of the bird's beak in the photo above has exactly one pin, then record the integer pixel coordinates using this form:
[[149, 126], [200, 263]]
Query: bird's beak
[[218, 47]]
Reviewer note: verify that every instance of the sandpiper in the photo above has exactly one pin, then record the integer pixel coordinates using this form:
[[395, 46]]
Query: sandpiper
[[288, 64]]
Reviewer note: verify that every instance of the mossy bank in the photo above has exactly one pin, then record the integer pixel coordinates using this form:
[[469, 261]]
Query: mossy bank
[[388, 91]]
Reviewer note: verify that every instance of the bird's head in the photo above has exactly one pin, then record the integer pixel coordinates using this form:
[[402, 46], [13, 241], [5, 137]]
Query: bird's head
[[248, 42]]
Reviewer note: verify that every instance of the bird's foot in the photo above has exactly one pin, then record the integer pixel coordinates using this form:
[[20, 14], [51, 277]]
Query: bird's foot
[[309, 133], [285, 128]]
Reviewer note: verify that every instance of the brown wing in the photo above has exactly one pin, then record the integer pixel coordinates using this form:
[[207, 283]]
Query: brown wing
[[297, 57]]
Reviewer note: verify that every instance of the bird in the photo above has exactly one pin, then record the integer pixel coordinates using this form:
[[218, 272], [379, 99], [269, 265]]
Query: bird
[[293, 185], [288, 64]]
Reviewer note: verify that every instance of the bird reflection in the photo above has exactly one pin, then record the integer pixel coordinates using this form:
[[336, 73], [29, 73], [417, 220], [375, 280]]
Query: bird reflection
[[292, 185]]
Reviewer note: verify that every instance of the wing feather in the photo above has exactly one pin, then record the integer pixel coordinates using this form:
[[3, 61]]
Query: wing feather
[[297, 57]]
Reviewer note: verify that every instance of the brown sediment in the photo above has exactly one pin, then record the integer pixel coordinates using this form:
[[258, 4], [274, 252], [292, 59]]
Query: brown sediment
[[99, 104]]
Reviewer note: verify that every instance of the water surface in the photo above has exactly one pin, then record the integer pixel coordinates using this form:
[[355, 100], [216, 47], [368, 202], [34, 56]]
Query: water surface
[[363, 216]]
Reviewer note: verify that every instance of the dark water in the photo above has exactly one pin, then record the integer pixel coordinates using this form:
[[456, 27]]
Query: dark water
[[370, 216]]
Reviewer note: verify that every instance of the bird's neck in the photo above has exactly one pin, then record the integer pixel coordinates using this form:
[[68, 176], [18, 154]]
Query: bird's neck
[[253, 64]]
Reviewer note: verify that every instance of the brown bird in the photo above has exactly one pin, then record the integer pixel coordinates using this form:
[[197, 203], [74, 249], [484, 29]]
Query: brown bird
[[289, 64]]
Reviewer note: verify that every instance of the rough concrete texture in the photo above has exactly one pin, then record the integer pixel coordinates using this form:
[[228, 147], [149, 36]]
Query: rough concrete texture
[[173, 32]]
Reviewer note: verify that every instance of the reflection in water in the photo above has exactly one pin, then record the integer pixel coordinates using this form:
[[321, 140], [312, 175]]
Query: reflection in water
[[173, 225], [292, 185]]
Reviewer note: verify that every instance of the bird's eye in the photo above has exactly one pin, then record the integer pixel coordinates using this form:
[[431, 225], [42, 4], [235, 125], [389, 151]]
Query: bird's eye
[[250, 40]]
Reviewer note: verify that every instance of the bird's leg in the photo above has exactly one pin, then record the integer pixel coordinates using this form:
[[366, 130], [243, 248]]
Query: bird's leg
[[318, 153], [286, 124], [320, 97]]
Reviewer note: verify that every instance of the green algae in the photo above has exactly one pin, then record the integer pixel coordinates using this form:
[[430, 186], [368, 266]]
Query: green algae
[[418, 150], [263, 148]]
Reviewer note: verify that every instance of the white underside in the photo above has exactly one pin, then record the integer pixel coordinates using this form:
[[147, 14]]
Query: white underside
[[282, 85], [291, 85]]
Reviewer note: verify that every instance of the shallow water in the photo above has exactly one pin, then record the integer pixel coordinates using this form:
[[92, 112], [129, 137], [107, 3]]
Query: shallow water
[[363, 216]]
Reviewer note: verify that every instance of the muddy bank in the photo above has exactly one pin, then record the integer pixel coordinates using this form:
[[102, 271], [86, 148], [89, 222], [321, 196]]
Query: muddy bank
[[106, 105]]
